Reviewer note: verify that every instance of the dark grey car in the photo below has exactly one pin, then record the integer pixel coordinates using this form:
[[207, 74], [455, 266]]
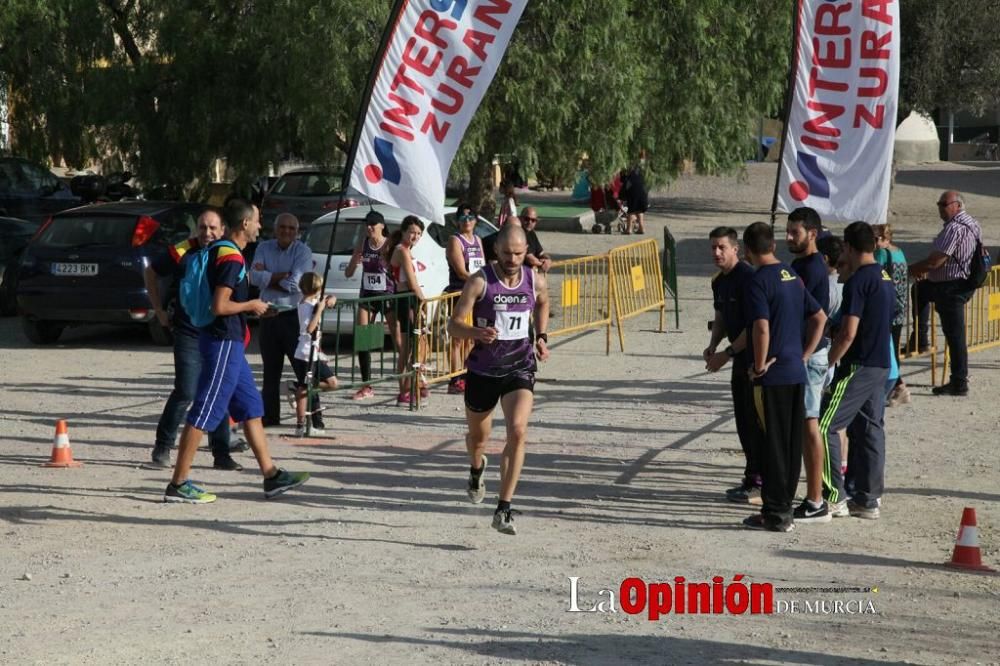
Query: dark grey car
[[306, 194], [86, 265]]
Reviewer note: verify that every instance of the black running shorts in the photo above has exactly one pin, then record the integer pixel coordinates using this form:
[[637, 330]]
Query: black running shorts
[[482, 393]]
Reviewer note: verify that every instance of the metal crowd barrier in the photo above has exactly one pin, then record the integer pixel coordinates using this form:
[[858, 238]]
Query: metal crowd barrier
[[636, 281], [669, 270], [580, 296]]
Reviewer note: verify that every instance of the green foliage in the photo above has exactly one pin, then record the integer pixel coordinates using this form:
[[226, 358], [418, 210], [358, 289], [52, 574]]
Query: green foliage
[[950, 55], [166, 86]]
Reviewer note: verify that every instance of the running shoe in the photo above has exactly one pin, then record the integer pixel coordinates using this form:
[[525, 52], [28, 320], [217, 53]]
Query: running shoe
[[862, 511], [239, 446], [806, 513], [757, 522], [300, 430], [317, 432], [477, 485], [364, 393], [503, 521], [839, 509], [187, 493], [456, 387], [403, 398], [424, 391], [227, 463], [745, 494], [283, 481]]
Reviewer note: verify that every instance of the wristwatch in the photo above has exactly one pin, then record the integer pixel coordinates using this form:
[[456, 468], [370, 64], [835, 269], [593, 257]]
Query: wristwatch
[[730, 352], [542, 336]]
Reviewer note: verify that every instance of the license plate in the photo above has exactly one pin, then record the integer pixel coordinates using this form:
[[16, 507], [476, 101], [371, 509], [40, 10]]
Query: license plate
[[74, 269]]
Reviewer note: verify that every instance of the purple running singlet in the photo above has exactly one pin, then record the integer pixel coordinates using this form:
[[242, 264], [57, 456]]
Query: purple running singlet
[[508, 310]]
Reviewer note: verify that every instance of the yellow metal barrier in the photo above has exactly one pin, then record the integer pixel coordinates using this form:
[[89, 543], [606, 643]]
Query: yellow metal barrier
[[636, 282], [434, 356], [580, 296]]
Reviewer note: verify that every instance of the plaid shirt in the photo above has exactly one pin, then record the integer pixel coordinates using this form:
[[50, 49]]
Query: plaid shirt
[[958, 240]]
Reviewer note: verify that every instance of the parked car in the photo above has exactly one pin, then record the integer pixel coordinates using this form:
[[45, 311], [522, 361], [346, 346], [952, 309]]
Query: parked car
[[14, 236], [307, 194], [429, 253], [31, 192], [85, 265]]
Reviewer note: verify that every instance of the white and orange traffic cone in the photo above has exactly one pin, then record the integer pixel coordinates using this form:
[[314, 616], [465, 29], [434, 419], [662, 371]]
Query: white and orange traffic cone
[[62, 454], [967, 554]]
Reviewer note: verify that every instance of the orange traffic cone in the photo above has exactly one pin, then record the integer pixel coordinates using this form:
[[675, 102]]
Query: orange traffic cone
[[62, 455], [967, 554]]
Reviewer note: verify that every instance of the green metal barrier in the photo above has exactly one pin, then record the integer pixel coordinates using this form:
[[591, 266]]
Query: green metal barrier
[[669, 272]]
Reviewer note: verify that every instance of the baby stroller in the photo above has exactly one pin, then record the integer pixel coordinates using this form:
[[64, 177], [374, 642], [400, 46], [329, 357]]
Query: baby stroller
[[610, 203]]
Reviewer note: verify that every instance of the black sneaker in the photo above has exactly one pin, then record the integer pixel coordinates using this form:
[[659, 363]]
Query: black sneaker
[[239, 446], [757, 522], [806, 513], [951, 388], [283, 481], [745, 494], [227, 464]]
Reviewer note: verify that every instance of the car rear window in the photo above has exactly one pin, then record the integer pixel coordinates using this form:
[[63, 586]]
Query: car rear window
[[311, 184], [348, 234], [88, 230]]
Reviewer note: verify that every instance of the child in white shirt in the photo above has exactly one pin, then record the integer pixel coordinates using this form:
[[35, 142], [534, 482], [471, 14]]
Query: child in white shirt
[[310, 313]]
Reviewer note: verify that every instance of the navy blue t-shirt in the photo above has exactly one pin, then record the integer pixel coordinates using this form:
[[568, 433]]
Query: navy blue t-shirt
[[870, 295], [727, 297], [777, 294], [225, 268], [173, 264], [812, 270]]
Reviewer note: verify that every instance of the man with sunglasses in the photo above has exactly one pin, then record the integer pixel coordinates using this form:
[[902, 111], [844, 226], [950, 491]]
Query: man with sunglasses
[[944, 280], [528, 220]]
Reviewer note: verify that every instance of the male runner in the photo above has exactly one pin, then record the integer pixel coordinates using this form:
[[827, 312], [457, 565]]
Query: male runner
[[226, 383], [500, 299]]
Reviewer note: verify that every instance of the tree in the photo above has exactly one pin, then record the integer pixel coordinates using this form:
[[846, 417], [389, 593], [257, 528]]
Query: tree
[[166, 86], [685, 81], [950, 55]]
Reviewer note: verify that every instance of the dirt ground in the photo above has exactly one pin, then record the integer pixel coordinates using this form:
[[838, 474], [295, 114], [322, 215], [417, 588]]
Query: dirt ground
[[380, 559]]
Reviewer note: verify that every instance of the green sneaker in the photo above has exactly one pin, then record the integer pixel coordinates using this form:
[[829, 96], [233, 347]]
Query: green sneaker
[[283, 481], [188, 493]]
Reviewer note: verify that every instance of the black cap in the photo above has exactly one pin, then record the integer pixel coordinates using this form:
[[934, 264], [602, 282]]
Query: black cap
[[374, 217]]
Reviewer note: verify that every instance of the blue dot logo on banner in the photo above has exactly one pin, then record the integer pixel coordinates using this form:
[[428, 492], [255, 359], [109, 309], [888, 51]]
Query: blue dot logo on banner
[[387, 168], [814, 183]]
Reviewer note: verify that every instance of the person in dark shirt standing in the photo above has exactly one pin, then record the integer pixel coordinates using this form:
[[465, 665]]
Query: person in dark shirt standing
[[778, 308], [857, 397], [226, 384], [730, 324], [187, 359], [801, 233]]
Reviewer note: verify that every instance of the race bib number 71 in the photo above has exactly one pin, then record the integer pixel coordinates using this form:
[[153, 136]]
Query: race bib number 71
[[512, 325]]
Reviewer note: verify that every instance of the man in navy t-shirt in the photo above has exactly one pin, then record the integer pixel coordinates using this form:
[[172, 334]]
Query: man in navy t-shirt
[[226, 385], [801, 234], [730, 324], [780, 316], [857, 397]]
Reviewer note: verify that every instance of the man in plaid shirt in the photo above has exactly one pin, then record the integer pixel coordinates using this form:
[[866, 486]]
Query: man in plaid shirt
[[944, 280]]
